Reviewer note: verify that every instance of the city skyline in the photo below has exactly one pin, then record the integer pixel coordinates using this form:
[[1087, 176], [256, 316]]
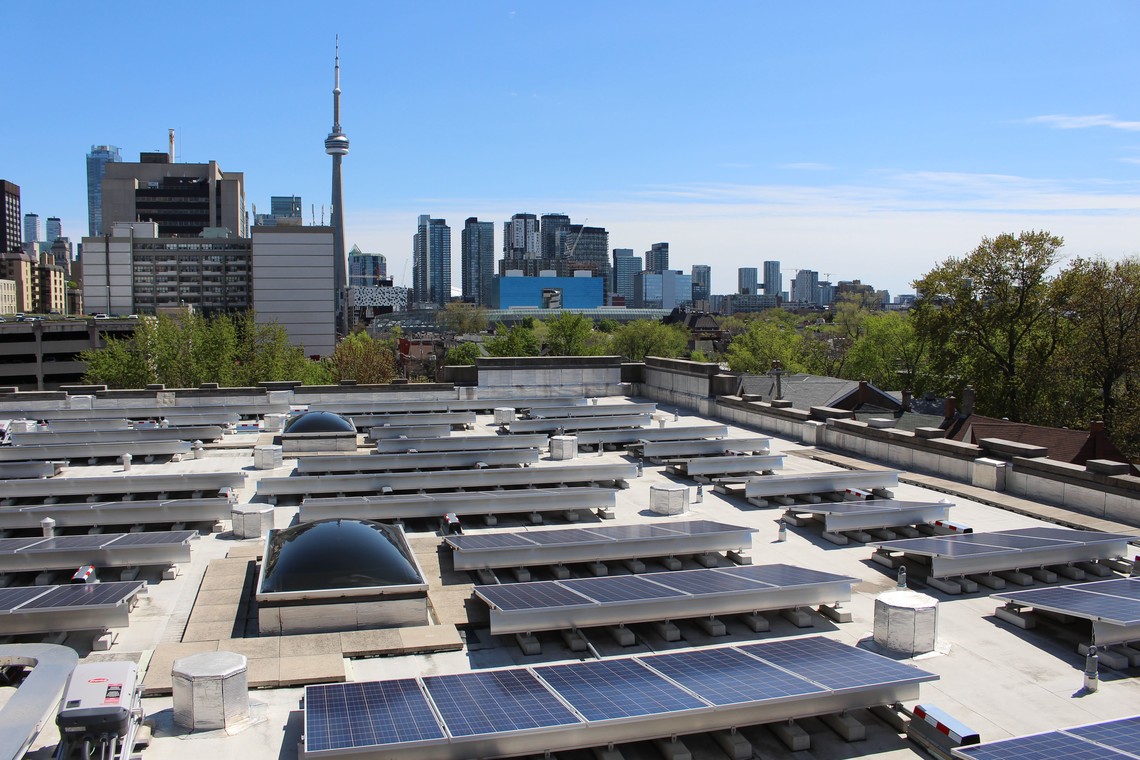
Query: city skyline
[[863, 142]]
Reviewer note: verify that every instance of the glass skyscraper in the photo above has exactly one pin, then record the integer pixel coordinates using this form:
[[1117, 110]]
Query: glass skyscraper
[[478, 252], [626, 265], [773, 283], [702, 283], [431, 261], [97, 161], [746, 281]]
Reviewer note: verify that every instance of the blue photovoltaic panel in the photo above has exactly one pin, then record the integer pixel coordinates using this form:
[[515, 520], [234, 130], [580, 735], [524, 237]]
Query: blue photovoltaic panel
[[84, 595], [1002, 540], [704, 527], [10, 598], [936, 547], [157, 537], [529, 596], [1123, 734], [1051, 746], [1066, 534], [565, 536], [705, 581], [74, 542], [12, 545], [727, 676], [365, 714], [1076, 601], [488, 541], [1127, 588], [645, 530], [833, 665], [619, 588], [847, 507], [495, 701], [784, 575], [611, 689]]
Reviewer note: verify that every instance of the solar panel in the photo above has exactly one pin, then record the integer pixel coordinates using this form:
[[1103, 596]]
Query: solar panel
[[703, 527], [565, 536], [74, 542], [727, 676], [705, 582], [1128, 588], [365, 714], [10, 545], [644, 530], [1048, 746], [833, 665], [611, 689], [939, 547], [530, 596], [495, 701], [784, 575], [1077, 601], [488, 541], [11, 598], [1064, 534], [1123, 734], [620, 588], [84, 595], [157, 537], [1003, 540], [847, 507]]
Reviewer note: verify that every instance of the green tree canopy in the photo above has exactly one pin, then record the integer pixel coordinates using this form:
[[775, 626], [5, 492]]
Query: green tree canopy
[[765, 341], [462, 318], [362, 358], [569, 334], [514, 341], [646, 337], [464, 354]]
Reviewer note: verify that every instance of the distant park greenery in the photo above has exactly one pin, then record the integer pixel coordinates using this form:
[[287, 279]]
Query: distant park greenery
[[1039, 345]]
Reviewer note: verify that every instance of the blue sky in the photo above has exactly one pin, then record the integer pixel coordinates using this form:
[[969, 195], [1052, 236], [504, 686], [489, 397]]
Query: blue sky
[[863, 140]]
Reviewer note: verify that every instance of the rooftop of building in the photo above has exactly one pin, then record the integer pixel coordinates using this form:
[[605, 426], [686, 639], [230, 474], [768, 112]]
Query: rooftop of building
[[999, 680]]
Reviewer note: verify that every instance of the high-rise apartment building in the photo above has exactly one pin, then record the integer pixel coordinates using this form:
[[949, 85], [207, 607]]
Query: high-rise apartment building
[[626, 265], [746, 281], [805, 287], [553, 231], [184, 199], [10, 224], [521, 238], [587, 249], [663, 290], [477, 245], [32, 228], [657, 258], [431, 262], [54, 229], [366, 269], [773, 282], [702, 285], [97, 161]]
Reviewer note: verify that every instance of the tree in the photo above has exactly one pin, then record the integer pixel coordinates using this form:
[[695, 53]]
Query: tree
[[462, 318], [992, 320], [646, 337], [569, 334], [518, 340], [1102, 301], [765, 341], [888, 353], [463, 354], [362, 358]]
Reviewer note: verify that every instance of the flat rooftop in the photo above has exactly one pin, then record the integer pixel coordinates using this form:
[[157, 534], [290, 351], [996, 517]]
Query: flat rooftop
[[997, 679]]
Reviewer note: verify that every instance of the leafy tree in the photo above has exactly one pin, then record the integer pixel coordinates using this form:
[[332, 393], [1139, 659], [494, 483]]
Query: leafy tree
[[518, 340], [888, 353], [765, 341], [569, 334], [606, 325], [992, 320], [646, 337], [1102, 301], [362, 358], [462, 318], [265, 353], [464, 354]]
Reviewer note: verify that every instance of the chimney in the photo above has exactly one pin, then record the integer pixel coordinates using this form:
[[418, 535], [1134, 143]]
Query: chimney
[[1097, 426], [968, 401], [951, 407], [906, 399]]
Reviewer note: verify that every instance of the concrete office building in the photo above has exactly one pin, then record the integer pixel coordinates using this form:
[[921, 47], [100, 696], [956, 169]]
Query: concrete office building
[[477, 247], [10, 225], [8, 297], [294, 284], [746, 281], [133, 270], [431, 262], [666, 290], [183, 199], [657, 258], [19, 267], [773, 282], [97, 161], [702, 285], [626, 265]]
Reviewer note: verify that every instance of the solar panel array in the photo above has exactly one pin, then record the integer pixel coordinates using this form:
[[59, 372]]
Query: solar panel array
[[97, 541], [495, 703], [1114, 601], [867, 506], [1001, 542], [45, 598], [1109, 740], [593, 535], [621, 589]]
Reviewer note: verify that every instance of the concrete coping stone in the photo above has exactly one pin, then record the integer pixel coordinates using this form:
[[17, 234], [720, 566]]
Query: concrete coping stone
[[1108, 467], [929, 432], [1013, 448]]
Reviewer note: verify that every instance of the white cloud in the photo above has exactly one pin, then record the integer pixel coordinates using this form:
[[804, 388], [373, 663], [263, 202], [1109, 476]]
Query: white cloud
[[1065, 121]]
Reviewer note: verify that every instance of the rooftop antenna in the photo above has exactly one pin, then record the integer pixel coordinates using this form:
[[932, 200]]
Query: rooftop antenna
[[314, 214], [322, 215], [170, 134]]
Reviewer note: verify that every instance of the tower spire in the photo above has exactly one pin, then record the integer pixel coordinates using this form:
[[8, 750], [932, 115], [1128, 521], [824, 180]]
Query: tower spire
[[336, 145]]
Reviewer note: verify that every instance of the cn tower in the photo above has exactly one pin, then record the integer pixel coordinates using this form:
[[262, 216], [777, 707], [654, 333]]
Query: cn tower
[[336, 145]]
